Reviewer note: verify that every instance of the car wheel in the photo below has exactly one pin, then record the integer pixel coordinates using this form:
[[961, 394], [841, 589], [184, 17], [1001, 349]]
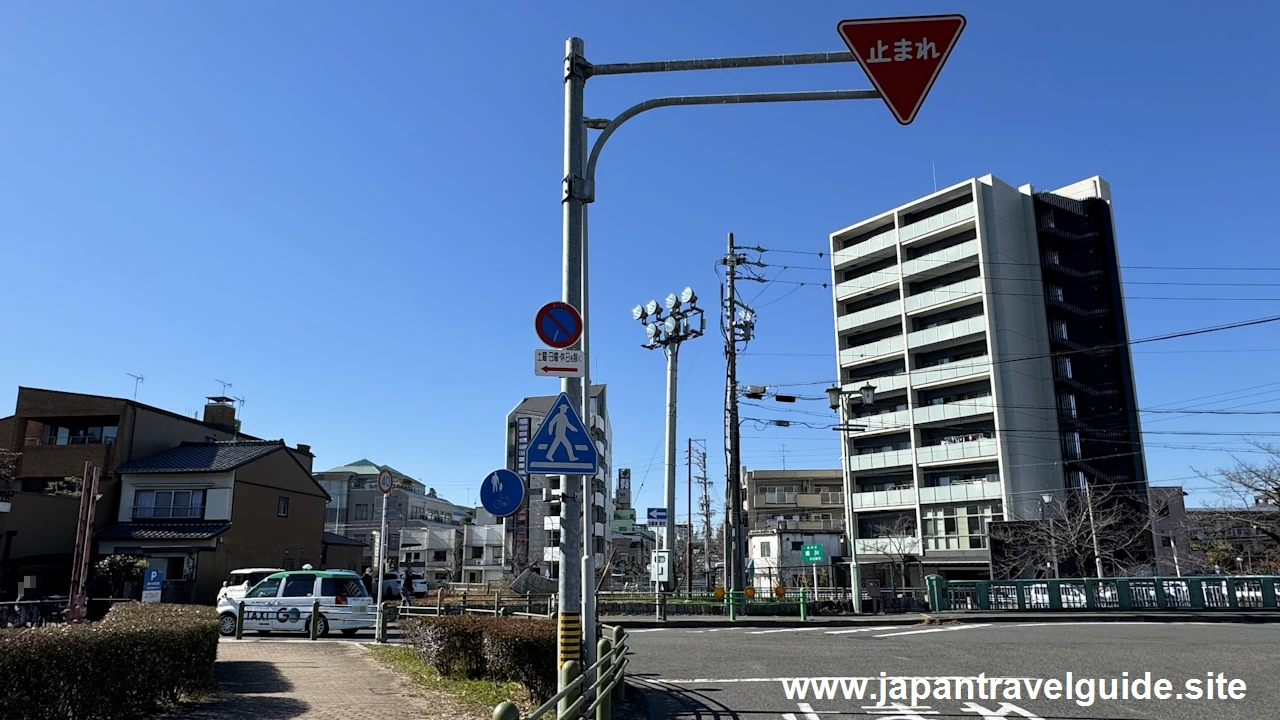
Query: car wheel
[[322, 630], [227, 625], [349, 632]]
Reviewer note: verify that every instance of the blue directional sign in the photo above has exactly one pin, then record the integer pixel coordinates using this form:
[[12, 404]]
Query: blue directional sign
[[657, 516], [562, 446], [502, 492]]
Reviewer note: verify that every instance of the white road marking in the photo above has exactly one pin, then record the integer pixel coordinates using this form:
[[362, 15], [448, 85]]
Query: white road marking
[[936, 630], [766, 632], [866, 629], [876, 679], [629, 632]]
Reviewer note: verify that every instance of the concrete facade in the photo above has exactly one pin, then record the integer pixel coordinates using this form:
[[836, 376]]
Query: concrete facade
[[951, 307]]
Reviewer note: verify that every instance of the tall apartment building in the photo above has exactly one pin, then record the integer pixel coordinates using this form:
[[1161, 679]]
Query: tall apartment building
[[990, 321], [534, 531]]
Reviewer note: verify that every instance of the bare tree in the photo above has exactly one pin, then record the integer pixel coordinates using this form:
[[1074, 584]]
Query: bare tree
[[1249, 487], [897, 542], [1079, 526]]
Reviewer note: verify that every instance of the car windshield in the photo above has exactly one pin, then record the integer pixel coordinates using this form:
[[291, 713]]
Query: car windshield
[[266, 588], [345, 587]]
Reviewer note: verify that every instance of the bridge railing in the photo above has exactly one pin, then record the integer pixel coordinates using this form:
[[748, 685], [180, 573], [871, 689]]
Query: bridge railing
[[1209, 592]]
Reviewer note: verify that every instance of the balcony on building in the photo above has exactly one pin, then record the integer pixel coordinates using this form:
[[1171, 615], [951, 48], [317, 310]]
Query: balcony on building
[[869, 280], [951, 365], [954, 326], [59, 447], [961, 483], [871, 352], [884, 451], [957, 443], [883, 491], [869, 243], [954, 402], [869, 313], [942, 256], [887, 377], [949, 217], [882, 535], [885, 415], [941, 292]]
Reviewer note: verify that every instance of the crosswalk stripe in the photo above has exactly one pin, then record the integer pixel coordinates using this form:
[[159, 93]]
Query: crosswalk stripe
[[935, 630], [780, 630], [866, 629]]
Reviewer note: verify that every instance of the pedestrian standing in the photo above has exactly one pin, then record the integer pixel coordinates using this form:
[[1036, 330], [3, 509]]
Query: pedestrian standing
[[368, 581]]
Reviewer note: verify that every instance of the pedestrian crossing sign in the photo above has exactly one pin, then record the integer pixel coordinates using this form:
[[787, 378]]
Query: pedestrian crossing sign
[[562, 445]]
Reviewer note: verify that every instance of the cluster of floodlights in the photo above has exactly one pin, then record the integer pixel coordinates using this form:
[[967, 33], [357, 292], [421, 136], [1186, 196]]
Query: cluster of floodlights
[[674, 327]]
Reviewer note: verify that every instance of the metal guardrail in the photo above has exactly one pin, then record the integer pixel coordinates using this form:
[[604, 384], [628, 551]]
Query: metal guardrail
[[583, 697], [501, 605], [1208, 592]]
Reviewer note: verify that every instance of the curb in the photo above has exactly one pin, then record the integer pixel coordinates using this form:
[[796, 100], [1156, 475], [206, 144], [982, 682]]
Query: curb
[[962, 618]]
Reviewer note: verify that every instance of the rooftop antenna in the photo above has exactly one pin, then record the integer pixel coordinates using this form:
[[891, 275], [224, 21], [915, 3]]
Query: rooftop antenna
[[934, 164], [224, 385], [137, 380], [239, 412]]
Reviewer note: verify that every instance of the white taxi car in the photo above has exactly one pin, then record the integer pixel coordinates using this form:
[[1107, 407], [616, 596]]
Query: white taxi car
[[239, 582], [283, 602]]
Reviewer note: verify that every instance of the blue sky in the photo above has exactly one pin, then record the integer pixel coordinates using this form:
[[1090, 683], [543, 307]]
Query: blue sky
[[352, 214]]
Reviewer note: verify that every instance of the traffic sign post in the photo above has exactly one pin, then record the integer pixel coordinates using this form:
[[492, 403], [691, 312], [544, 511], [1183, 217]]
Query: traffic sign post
[[902, 56], [558, 324], [559, 363], [657, 516], [812, 554], [386, 482], [152, 585], [502, 493]]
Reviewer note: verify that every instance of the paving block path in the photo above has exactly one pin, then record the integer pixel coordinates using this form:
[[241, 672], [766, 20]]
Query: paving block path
[[315, 681]]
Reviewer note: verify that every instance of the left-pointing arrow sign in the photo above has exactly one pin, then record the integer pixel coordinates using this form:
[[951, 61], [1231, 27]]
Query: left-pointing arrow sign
[[559, 363]]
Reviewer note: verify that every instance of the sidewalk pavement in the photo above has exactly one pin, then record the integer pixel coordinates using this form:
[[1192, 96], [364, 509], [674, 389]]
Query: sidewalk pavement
[[1063, 616], [320, 680]]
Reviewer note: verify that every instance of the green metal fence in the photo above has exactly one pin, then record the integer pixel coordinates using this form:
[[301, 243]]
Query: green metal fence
[[587, 693], [1211, 592]]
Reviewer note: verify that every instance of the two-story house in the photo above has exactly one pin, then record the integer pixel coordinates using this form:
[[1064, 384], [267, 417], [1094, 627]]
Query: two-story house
[[56, 433], [202, 509]]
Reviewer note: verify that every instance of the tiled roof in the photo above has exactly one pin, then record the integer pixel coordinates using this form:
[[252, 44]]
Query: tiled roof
[[191, 457], [336, 539], [162, 531]]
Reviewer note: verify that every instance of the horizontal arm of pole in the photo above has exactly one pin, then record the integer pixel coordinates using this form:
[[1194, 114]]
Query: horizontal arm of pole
[[737, 99], [752, 61]]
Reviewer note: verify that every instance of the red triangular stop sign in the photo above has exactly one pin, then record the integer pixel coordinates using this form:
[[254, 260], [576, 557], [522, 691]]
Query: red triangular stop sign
[[902, 56]]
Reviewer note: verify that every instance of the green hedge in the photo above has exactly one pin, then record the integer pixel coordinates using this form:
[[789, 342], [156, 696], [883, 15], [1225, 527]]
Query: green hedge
[[503, 649], [137, 660]]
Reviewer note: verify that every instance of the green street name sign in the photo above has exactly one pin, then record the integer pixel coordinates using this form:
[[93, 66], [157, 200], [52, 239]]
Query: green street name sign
[[811, 553]]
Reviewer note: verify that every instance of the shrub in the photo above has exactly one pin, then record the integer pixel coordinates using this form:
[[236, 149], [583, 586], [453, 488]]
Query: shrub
[[137, 660], [523, 651], [452, 644]]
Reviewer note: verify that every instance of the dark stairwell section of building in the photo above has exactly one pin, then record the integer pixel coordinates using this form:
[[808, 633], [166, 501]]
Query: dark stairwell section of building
[[1092, 368]]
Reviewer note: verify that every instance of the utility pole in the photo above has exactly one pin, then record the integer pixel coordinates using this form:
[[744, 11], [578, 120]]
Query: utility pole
[[705, 506], [684, 321], [737, 325], [688, 540]]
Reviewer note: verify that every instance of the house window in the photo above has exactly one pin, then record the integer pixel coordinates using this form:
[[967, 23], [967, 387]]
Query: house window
[[362, 511], [783, 495], [764, 549], [168, 504], [438, 556], [1166, 541], [282, 507], [477, 553], [417, 512]]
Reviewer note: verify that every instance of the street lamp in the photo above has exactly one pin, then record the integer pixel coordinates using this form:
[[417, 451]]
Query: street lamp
[[838, 398], [683, 321], [1046, 499]]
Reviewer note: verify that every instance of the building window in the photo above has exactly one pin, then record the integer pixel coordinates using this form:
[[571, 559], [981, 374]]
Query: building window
[[477, 553], [282, 507], [764, 549], [1064, 367], [1068, 403], [168, 504], [362, 511], [1059, 330], [416, 512], [438, 556], [784, 495], [796, 545], [1072, 442], [1055, 292], [96, 435], [1166, 541]]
